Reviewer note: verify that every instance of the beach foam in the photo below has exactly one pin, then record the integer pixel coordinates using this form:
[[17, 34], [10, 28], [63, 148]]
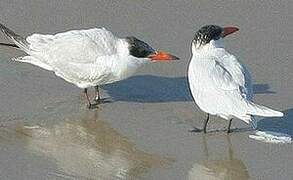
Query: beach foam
[[271, 137]]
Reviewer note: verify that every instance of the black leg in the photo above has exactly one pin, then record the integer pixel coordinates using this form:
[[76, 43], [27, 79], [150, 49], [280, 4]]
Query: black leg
[[229, 126], [205, 124], [89, 105], [97, 94]]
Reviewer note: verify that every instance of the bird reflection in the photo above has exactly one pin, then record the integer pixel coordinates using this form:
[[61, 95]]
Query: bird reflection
[[212, 168], [86, 147]]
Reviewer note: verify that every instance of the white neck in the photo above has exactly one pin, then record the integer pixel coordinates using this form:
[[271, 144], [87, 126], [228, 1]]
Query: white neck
[[213, 44], [126, 65]]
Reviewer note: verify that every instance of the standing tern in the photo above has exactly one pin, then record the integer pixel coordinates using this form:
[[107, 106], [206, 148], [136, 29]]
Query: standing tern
[[220, 85], [86, 58]]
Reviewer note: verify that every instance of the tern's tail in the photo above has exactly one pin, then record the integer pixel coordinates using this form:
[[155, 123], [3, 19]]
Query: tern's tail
[[20, 42], [8, 44], [259, 110], [15, 38]]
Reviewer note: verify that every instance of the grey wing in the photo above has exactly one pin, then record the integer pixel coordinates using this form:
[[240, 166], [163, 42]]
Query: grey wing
[[86, 43], [81, 55], [226, 94], [74, 55], [76, 46], [240, 75], [234, 80]]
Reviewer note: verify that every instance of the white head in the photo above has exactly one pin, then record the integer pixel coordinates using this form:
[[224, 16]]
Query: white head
[[211, 36]]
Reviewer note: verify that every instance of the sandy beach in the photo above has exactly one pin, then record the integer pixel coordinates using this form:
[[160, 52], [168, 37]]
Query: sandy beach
[[46, 131]]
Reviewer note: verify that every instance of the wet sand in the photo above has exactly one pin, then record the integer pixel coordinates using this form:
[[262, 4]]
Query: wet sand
[[143, 133]]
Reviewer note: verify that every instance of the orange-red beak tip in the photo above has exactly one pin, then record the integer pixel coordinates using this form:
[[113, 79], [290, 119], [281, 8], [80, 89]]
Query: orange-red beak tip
[[162, 56], [229, 30]]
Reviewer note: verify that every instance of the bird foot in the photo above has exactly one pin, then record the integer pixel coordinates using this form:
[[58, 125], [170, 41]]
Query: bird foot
[[102, 101], [92, 106], [97, 102]]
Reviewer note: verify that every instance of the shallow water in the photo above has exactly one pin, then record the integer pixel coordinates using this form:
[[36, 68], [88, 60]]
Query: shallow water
[[143, 133]]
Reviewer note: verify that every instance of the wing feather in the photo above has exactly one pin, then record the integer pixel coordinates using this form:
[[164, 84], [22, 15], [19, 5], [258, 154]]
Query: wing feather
[[222, 78], [230, 74], [82, 46]]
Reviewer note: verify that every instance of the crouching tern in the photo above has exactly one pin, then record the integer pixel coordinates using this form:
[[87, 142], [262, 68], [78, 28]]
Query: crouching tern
[[220, 85], [86, 58]]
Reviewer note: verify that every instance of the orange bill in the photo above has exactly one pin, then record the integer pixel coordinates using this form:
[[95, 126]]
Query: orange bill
[[162, 56], [229, 30]]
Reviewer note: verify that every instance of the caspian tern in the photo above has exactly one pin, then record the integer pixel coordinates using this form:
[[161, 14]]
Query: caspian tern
[[219, 83], [86, 58]]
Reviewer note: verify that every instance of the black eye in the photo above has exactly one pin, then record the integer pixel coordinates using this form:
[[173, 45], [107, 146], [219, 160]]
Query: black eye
[[217, 37]]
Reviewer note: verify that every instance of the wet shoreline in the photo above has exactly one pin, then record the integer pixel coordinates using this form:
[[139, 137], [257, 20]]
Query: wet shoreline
[[46, 131]]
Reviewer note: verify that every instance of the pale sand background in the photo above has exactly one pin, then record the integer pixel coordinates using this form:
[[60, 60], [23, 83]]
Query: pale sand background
[[143, 133]]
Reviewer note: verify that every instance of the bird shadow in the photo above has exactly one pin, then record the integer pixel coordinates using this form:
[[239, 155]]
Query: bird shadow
[[262, 89], [281, 125], [150, 89], [156, 89]]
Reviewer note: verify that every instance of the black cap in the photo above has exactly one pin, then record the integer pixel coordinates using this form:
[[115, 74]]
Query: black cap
[[207, 33], [138, 48]]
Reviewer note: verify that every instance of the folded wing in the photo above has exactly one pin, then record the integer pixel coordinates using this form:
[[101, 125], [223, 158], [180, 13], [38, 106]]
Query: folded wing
[[76, 46]]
